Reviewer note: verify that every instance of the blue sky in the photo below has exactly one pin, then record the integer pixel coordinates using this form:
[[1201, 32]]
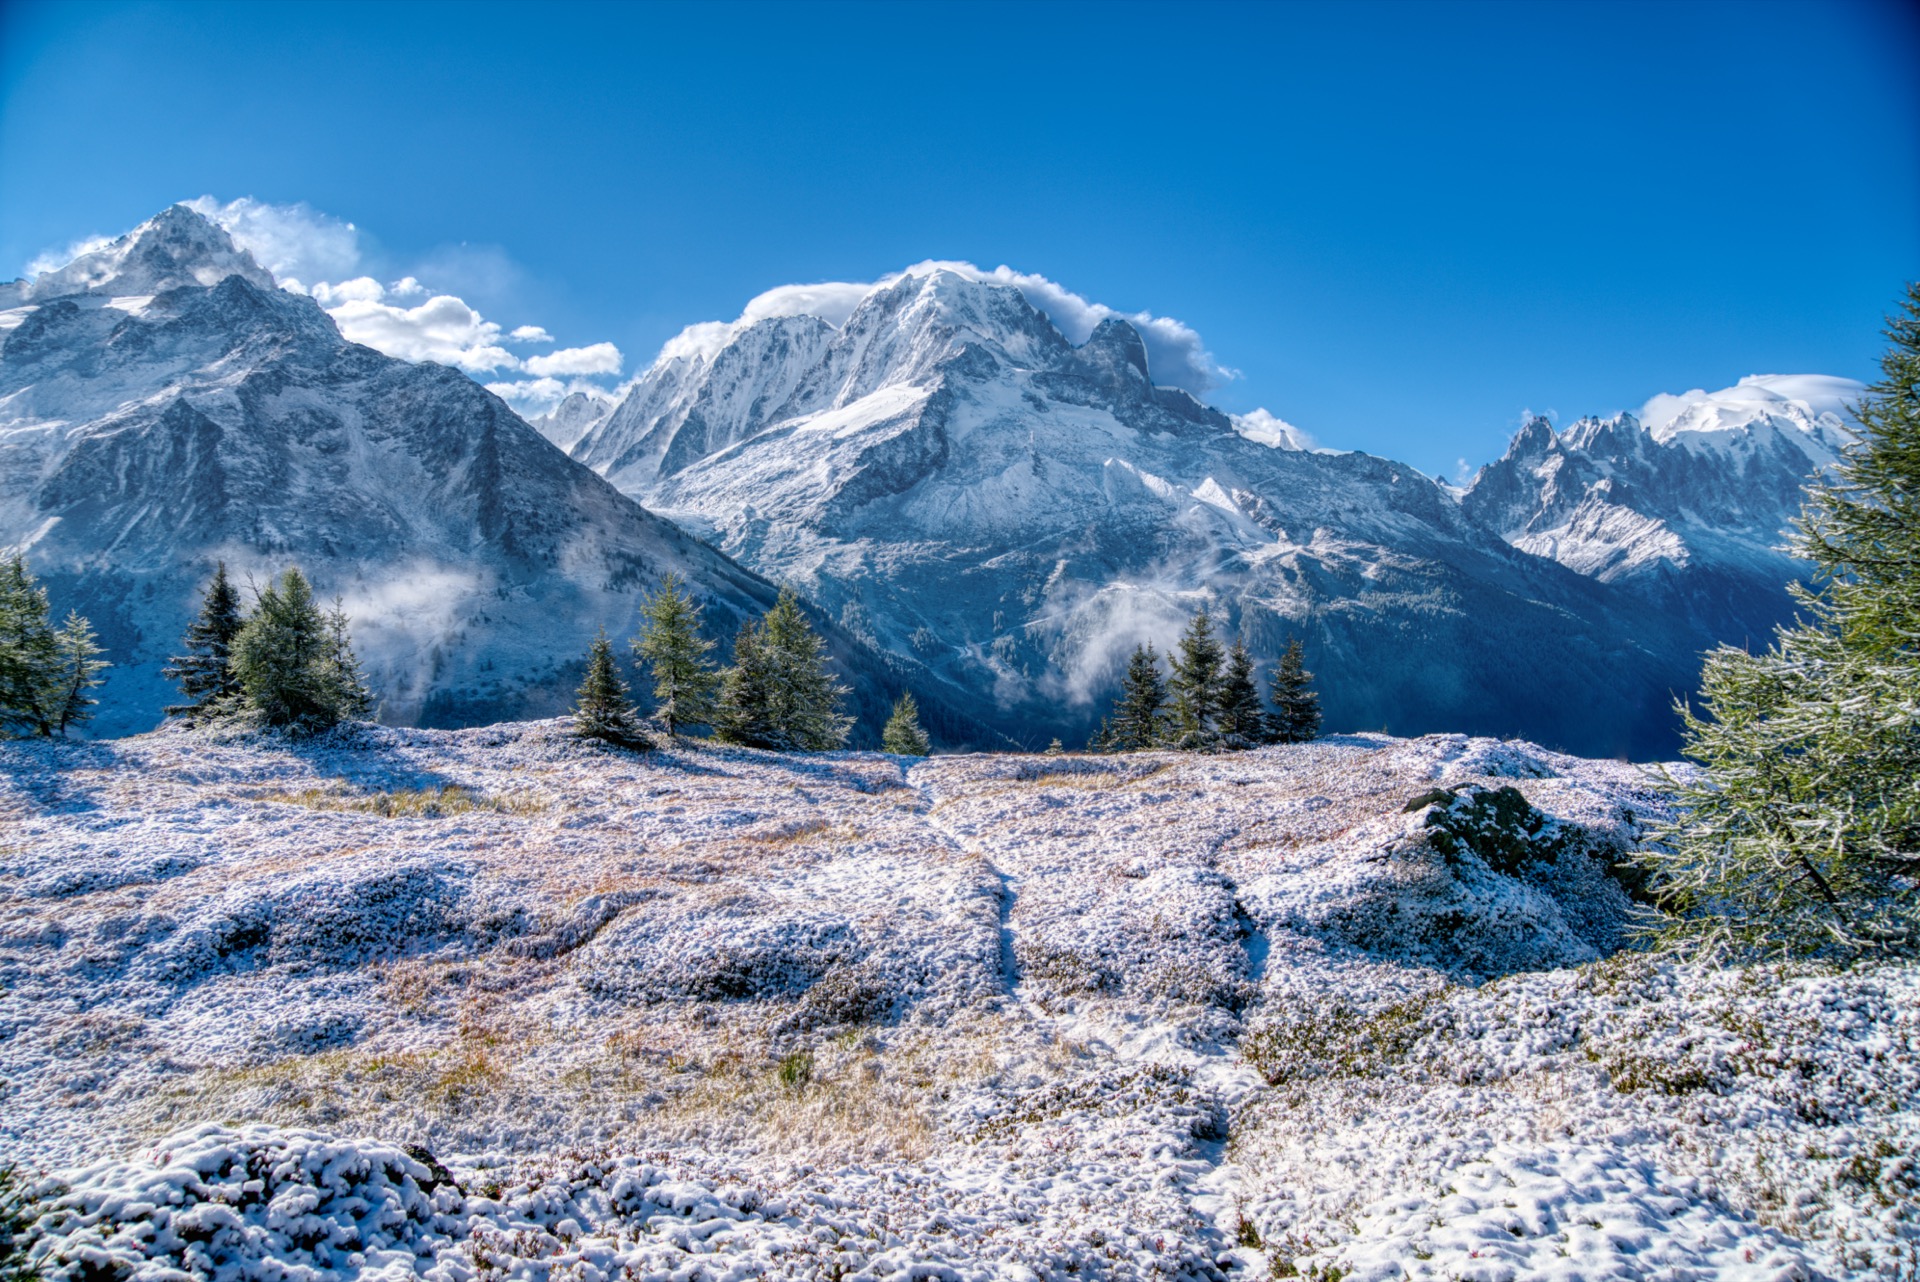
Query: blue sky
[[1397, 225]]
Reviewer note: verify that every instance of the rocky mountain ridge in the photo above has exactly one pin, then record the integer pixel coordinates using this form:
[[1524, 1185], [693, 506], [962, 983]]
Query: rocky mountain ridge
[[212, 416]]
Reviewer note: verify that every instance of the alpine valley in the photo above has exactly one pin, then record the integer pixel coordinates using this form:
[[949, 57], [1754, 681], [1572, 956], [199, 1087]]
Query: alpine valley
[[980, 508]]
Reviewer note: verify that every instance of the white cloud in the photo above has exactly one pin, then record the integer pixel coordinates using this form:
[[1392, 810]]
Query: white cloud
[[442, 329], [1175, 354], [1269, 429], [52, 260], [532, 397], [1757, 394], [361, 289], [404, 318], [294, 241], [599, 358]]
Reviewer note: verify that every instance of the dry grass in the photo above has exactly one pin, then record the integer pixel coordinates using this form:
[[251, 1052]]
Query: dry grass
[[405, 803]]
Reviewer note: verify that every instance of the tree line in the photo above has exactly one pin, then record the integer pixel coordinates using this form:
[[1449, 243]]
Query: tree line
[[1209, 701], [778, 692]]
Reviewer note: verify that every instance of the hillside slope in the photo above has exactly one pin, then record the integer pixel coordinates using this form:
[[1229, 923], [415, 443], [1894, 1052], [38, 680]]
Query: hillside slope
[[1348, 1005]]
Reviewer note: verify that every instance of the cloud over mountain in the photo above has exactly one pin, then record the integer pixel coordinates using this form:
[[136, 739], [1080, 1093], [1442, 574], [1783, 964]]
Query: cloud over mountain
[[313, 253]]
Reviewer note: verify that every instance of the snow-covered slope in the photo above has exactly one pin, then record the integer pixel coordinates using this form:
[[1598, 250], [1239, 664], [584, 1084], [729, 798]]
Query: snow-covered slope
[[576, 415], [959, 482], [398, 1004], [163, 406]]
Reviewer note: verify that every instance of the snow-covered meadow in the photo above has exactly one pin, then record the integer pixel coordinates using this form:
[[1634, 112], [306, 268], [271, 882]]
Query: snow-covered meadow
[[498, 1003]]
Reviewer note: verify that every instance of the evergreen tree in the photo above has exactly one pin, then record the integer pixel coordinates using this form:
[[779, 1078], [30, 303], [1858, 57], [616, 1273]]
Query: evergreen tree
[[294, 664], [1243, 719], [903, 734], [1193, 703], [1296, 707], [779, 693], [1055, 748], [1138, 718], [602, 709], [1803, 834], [203, 673], [806, 698], [342, 683], [78, 672], [684, 679], [29, 653], [745, 715]]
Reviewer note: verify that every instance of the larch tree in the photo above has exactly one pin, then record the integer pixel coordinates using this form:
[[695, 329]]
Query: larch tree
[[78, 672], [685, 680], [45, 672], [204, 673], [1802, 833]]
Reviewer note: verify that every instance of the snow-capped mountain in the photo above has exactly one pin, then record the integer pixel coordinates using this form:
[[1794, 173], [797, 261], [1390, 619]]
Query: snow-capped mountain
[[577, 414], [959, 482], [163, 406], [1690, 508]]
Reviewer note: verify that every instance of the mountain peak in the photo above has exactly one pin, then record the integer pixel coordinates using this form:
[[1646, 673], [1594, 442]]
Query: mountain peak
[[177, 247]]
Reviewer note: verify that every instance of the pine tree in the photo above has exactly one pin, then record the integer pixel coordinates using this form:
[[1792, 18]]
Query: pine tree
[[29, 653], [1193, 704], [779, 693], [684, 679], [1296, 708], [1055, 748], [1138, 718], [1803, 833], [78, 672], [903, 735], [1243, 720], [603, 709], [203, 674], [294, 664]]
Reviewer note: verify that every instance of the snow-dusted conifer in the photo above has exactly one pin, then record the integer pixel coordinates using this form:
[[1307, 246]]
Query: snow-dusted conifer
[[78, 672], [602, 709], [1803, 835], [1193, 703], [45, 672], [684, 679], [1296, 706], [205, 677], [29, 653], [294, 663], [342, 683], [903, 734], [1242, 717], [806, 697], [1138, 718], [779, 693], [744, 714]]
